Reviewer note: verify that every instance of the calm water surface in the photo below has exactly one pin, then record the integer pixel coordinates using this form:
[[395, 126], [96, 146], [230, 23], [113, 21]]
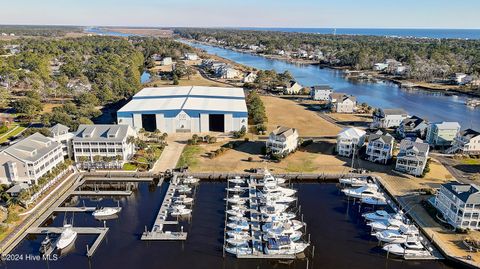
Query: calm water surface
[[340, 236], [430, 105]]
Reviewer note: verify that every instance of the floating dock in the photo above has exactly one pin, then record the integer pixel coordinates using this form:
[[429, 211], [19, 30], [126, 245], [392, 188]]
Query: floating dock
[[74, 209], [102, 193], [119, 179]]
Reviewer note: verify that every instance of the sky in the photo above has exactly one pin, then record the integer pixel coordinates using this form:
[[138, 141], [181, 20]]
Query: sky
[[246, 13]]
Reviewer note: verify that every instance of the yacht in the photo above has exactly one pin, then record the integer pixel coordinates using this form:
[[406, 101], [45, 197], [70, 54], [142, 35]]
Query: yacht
[[381, 215], [370, 190], [277, 189], [183, 199], [67, 237], [106, 212], [390, 224], [405, 234], [191, 180], [237, 180], [236, 218], [278, 199], [294, 236], [235, 212], [236, 199], [283, 245], [238, 240], [180, 212], [278, 217], [239, 250], [236, 189], [243, 225], [269, 179], [375, 200], [183, 189], [410, 248], [46, 245], [272, 210], [356, 181], [288, 225], [238, 232]]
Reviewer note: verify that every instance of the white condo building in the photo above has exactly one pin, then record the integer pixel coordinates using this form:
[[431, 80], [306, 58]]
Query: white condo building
[[348, 140], [61, 134]]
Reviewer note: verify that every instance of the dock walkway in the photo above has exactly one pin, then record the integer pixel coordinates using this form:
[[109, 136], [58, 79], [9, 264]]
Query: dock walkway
[[102, 193], [119, 179], [74, 209]]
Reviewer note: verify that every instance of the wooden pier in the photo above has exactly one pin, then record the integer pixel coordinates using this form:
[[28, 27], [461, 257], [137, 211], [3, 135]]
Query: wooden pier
[[102, 193], [119, 179], [74, 209]]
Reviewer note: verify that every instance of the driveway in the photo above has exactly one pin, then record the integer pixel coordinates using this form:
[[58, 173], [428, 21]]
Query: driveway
[[172, 152]]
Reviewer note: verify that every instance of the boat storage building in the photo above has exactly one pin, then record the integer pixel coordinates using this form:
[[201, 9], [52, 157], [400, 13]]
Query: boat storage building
[[192, 109]]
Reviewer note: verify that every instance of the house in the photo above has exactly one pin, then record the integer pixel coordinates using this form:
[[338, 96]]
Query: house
[[350, 140], [412, 157], [412, 127], [380, 66], [342, 103], [461, 78], [459, 204], [250, 78], [387, 118], [466, 142], [29, 159], [60, 133], [227, 72], [379, 147], [442, 133], [156, 57], [191, 56], [6, 119], [16, 189], [321, 92], [103, 145], [166, 61], [293, 87], [282, 140]]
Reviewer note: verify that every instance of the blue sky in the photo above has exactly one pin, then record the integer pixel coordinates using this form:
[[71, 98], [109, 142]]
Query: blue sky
[[246, 13]]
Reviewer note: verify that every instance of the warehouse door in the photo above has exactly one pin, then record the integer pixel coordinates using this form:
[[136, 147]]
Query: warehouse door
[[149, 122], [216, 122]]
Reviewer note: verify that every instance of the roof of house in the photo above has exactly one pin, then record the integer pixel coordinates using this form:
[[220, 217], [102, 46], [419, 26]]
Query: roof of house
[[59, 129], [407, 144], [412, 122], [283, 131], [394, 111], [188, 98], [447, 125], [468, 193], [342, 96], [17, 188], [98, 132], [321, 87], [292, 83], [469, 133], [32, 148], [385, 138], [351, 132]]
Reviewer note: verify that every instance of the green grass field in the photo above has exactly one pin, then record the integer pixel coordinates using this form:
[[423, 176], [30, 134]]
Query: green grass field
[[188, 157], [15, 130]]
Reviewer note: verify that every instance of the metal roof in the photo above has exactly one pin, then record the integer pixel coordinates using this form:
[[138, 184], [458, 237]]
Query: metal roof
[[101, 132], [32, 148]]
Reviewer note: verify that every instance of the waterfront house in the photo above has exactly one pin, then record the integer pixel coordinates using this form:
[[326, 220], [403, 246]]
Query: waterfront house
[[103, 145], [166, 61], [379, 147], [156, 57], [6, 119], [387, 118], [380, 66], [412, 157], [60, 133], [342, 103], [293, 87], [250, 78], [459, 204], [321, 92], [282, 140], [227, 72], [29, 159], [16, 189], [191, 56], [466, 142], [461, 78], [412, 127], [442, 134], [350, 140]]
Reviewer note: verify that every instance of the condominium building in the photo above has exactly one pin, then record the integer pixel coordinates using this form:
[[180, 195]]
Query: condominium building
[[60, 133], [379, 148], [459, 204], [282, 140], [350, 140], [29, 159], [103, 143], [412, 157]]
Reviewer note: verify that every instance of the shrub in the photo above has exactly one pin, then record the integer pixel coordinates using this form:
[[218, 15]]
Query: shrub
[[250, 159], [3, 129]]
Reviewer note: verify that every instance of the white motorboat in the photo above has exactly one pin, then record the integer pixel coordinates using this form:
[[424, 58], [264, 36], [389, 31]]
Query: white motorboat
[[283, 245], [405, 234], [236, 218], [356, 181], [410, 248], [237, 180], [183, 199], [46, 245], [178, 211], [106, 212], [278, 199], [67, 237], [236, 199], [370, 190], [190, 180], [238, 239], [236, 189], [382, 215], [278, 217], [294, 236], [380, 200], [238, 232], [390, 224], [242, 225], [238, 213], [287, 225], [239, 250], [183, 189], [269, 179], [278, 189], [271, 210]]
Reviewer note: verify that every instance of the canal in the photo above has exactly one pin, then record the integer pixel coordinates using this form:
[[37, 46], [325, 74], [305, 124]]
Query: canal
[[340, 235], [434, 106]]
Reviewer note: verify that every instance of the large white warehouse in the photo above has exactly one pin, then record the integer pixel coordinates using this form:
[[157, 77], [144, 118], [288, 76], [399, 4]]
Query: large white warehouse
[[186, 109]]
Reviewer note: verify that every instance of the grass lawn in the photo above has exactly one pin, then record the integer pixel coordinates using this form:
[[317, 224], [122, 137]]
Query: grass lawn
[[129, 167], [471, 161], [15, 130], [189, 156]]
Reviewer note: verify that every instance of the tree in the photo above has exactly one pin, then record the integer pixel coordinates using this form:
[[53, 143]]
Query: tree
[[30, 107], [4, 98]]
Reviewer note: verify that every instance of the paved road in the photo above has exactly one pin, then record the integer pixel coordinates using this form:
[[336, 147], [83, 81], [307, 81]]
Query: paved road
[[171, 153], [449, 165]]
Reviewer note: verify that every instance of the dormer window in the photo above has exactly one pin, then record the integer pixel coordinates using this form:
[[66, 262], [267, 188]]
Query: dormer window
[[34, 152]]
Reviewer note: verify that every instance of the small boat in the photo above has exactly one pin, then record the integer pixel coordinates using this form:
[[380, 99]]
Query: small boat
[[390, 224], [410, 248], [237, 180], [287, 225], [67, 237], [283, 245], [239, 250], [179, 211], [236, 199], [106, 211], [405, 234], [236, 218], [369, 190], [356, 181], [380, 200], [238, 213], [279, 217], [278, 199], [273, 209], [269, 179], [238, 232], [190, 180], [183, 199], [236, 189], [242, 225], [277, 189], [46, 245], [238, 240], [183, 189], [294, 236]]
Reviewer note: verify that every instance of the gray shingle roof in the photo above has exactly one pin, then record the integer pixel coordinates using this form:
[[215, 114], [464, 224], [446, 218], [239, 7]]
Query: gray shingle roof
[[321, 87], [59, 129], [98, 132], [387, 139], [406, 144], [32, 148], [469, 133], [283, 131], [394, 111], [468, 193]]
